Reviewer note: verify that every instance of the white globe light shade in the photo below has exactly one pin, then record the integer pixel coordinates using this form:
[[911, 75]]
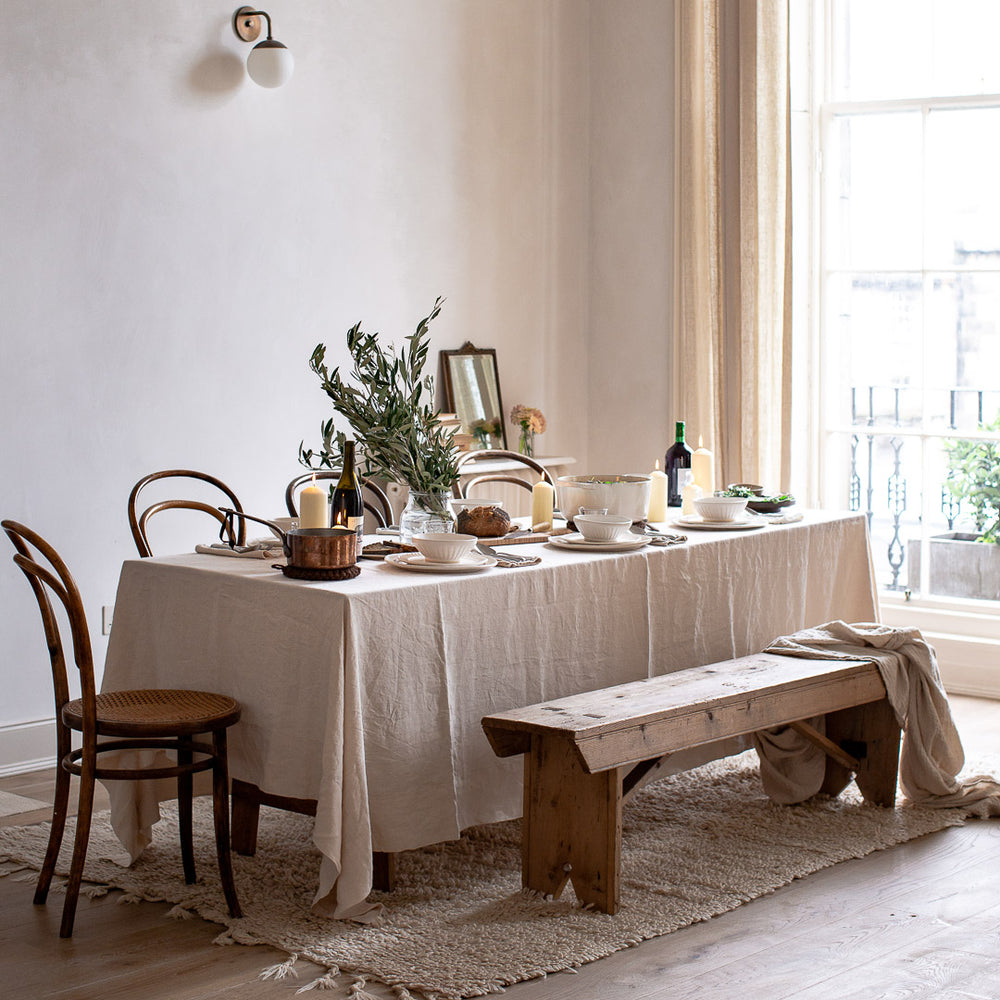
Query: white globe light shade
[[270, 64]]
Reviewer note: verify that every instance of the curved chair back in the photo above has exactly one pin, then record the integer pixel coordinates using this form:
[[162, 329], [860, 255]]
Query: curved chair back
[[137, 522], [374, 497], [469, 458], [52, 576]]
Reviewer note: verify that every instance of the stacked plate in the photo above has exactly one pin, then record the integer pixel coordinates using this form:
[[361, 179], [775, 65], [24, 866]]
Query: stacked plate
[[576, 541]]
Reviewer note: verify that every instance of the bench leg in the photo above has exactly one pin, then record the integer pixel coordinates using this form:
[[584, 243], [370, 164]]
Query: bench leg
[[572, 825], [875, 726]]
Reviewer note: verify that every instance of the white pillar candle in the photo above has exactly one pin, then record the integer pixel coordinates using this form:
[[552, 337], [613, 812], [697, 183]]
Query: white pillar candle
[[314, 507], [657, 495], [703, 469], [543, 502], [689, 494]]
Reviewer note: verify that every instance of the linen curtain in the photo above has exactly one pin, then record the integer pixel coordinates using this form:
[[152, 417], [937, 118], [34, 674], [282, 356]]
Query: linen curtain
[[732, 313]]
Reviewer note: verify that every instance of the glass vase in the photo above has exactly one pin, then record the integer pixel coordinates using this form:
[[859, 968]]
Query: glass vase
[[426, 512], [526, 442]]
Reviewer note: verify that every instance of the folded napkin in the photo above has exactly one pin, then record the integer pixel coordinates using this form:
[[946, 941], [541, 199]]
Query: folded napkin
[[780, 517], [261, 548], [505, 563]]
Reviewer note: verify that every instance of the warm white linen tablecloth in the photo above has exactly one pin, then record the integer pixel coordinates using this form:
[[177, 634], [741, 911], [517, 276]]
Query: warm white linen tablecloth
[[367, 694]]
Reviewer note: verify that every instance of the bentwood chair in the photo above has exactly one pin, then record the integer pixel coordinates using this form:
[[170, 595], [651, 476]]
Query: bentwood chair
[[374, 497], [164, 720], [137, 522], [469, 458]]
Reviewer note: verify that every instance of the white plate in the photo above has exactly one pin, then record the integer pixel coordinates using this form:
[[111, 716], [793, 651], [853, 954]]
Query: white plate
[[414, 560], [699, 523], [575, 540]]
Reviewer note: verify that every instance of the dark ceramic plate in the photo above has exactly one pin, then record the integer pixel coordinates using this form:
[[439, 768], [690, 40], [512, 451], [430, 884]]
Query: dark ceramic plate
[[765, 506]]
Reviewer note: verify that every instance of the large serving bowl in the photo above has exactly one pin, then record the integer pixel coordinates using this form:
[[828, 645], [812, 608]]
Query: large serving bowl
[[625, 495]]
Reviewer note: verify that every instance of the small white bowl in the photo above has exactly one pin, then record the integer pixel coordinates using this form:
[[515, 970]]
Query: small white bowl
[[444, 546], [602, 527], [720, 508]]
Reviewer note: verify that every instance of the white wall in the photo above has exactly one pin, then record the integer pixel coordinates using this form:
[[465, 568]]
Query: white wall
[[176, 240]]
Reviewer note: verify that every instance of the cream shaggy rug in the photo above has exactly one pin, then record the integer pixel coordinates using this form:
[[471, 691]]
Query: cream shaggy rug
[[458, 925]]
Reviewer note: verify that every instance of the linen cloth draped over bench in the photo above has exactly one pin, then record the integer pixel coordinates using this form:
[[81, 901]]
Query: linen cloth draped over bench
[[931, 756], [366, 695]]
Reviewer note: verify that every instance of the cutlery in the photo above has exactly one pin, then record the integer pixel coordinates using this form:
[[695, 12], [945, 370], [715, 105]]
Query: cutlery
[[488, 550]]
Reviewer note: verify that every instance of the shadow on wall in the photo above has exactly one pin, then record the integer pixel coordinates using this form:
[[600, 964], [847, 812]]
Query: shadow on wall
[[217, 72]]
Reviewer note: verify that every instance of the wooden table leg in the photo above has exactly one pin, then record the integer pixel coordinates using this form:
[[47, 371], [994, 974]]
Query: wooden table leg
[[246, 815], [383, 871]]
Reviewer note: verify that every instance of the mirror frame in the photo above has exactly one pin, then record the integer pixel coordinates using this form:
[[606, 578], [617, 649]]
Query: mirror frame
[[466, 350]]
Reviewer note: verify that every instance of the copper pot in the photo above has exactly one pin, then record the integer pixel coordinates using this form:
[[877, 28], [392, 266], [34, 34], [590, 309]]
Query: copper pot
[[306, 548]]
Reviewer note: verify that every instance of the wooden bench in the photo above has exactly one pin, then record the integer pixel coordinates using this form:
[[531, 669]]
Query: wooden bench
[[587, 754]]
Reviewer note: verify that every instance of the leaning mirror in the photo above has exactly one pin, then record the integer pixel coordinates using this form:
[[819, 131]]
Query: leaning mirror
[[472, 392]]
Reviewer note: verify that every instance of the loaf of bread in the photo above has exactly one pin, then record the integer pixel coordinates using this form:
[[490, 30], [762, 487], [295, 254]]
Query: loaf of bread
[[484, 522]]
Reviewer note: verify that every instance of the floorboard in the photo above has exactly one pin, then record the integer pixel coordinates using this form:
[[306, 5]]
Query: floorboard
[[916, 922]]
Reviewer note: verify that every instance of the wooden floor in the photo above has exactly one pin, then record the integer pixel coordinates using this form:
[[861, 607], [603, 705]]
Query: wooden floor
[[919, 921]]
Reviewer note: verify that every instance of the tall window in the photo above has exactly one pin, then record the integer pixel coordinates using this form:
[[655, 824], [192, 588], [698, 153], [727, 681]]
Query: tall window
[[906, 178]]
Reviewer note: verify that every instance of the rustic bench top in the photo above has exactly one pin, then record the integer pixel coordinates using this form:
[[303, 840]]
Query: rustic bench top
[[634, 721]]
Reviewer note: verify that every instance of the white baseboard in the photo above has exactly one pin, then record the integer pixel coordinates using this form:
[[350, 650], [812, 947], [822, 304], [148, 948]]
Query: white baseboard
[[27, 746]]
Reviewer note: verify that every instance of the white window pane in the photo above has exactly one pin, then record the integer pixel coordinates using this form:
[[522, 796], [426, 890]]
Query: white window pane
[[963, 188], [875, 191], [963, 348], [914, 48]]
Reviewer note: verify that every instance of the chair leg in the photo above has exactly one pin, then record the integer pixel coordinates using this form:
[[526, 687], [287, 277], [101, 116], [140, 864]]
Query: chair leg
[[60, 807], [185, 786], [85, 811], [220, 809]]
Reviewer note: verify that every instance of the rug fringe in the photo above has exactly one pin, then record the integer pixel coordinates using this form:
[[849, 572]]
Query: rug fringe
[[358, 991], [180, 912], [282, 970], [328, 981]]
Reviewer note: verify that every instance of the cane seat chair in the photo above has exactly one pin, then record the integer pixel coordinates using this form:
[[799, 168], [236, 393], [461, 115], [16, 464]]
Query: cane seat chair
[[373, 496], [137, 521], [468, 459], [164, 720]]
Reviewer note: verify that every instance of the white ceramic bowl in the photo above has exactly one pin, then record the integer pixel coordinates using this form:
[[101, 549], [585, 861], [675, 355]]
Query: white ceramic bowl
[[602, 527], [720, 508], [444, 546], [627, 496]]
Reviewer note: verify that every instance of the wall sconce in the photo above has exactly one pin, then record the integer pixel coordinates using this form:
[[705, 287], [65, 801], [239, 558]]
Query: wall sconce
[[269, 64]]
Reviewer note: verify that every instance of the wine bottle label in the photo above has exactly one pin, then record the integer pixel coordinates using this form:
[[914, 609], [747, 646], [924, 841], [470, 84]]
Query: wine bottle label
[[684, 476], [356, 522]]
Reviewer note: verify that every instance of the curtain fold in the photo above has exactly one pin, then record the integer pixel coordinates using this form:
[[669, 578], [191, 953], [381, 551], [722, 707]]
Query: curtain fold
[[732, 314]]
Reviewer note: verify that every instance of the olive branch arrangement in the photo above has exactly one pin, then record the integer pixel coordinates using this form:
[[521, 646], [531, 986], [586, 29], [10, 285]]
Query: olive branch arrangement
[[389, 404]]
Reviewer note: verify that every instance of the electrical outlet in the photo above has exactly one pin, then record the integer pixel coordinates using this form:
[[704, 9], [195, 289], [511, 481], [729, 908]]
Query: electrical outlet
[[107, 614]]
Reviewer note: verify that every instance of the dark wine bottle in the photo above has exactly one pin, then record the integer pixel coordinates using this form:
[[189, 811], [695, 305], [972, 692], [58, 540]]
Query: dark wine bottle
[[677, 462], [348, 507]]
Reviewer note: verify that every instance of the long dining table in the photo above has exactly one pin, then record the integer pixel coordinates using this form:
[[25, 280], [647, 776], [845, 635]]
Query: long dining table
[[366, 695]]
